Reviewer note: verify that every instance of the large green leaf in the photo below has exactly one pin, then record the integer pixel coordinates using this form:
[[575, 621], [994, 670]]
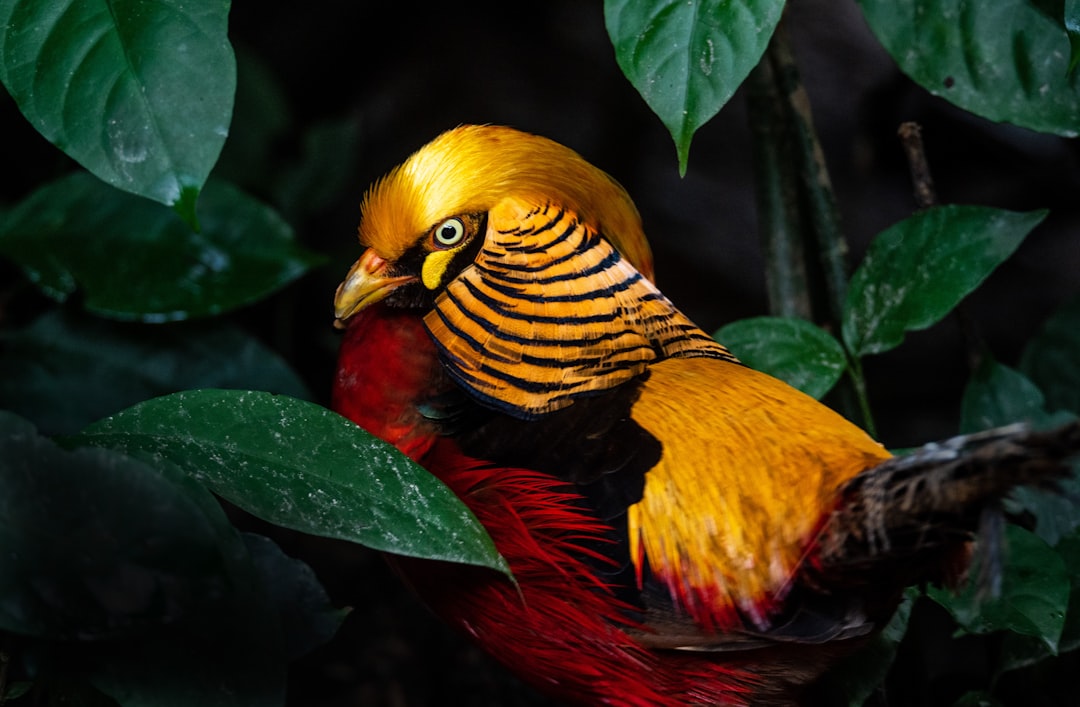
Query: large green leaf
[[997, 395], [1018, 651], [794, 350], [133, 259], [299, 465], [1071, 21], [1052, 358], [1034, 593], [97, 544], [139, 92], [1002, 59], [687, 57], [918, 270], [308, 618], [136, 570], [66, 369]]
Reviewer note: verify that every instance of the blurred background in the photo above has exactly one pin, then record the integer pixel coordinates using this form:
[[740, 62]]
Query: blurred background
[[333, 95]]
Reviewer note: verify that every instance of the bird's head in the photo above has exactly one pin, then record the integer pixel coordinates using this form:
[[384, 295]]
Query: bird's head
[[426, 220]]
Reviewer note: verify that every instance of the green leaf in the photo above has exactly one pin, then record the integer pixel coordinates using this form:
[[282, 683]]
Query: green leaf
[[1052, 358], [135, 260], [1034, 593], [1071, 21], [915, 272], [1022, 651], [308, 619], [794, 350], [140, 93], [976, 698], [997, 395], [1002, 59], [135, 567], [687, 57], [301, 466], [99, 545], [13, 691], [66, 370]]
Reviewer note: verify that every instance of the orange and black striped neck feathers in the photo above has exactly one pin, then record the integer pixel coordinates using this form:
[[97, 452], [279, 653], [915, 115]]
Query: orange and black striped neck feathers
[[549, 312], [469, 169]]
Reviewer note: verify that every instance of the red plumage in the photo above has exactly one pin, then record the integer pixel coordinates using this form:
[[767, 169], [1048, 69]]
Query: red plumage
[[561, 626]]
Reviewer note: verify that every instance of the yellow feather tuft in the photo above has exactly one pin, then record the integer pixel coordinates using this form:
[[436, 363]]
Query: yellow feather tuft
[[472, 168]]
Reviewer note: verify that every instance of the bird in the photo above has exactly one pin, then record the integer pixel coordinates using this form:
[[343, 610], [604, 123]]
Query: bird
[[681, 528]]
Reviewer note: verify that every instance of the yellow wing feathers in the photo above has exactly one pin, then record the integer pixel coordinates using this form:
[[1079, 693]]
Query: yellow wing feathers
[[747, 466]]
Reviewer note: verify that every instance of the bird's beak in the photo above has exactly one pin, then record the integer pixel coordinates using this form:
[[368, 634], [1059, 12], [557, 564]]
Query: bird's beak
[[366, 284]]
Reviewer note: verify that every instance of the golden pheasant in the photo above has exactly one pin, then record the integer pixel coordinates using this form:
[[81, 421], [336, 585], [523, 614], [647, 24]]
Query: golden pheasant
[[682, 529]]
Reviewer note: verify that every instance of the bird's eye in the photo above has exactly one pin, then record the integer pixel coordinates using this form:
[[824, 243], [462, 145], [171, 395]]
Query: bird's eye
[[449, 233]]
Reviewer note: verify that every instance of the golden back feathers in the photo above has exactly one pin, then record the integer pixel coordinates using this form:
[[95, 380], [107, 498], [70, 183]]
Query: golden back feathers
[[751, 468], [472, 168]]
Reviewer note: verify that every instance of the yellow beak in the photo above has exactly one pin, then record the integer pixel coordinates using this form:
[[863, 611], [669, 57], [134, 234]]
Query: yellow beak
[[366, 284]]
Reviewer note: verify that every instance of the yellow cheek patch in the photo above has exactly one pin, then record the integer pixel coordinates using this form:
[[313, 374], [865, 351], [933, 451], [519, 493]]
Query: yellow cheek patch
[[431, 274]]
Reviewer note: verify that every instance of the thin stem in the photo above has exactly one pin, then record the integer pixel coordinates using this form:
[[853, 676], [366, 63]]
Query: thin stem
[[858, 384], [781, 115], [823, 215], [911, 138], [776, 185]]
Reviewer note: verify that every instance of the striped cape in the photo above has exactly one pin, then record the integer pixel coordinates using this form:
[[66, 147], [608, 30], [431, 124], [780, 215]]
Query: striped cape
[[549, 311]]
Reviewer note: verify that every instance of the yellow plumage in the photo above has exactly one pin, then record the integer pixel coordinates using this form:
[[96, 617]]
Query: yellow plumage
[[472, 168], [748, 467]]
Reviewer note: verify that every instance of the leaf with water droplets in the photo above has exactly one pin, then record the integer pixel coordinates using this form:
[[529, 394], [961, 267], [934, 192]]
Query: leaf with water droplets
[[915, 272], [796, 351], [1006, 60], [133, 259], [1034, 593], [302, 466], [687, 57], [139, 93]]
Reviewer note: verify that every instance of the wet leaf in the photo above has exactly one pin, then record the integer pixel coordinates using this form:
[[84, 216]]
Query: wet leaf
[[65, 369], [134, 260], [918, 270], [1034, 593], [687, 57], [794, 350], [1022, 651], [139, 93], [997, 395], [1002, 59], [1052, 358], [301, 466]]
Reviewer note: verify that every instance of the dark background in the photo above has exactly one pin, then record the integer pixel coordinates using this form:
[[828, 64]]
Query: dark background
[[402, 72]]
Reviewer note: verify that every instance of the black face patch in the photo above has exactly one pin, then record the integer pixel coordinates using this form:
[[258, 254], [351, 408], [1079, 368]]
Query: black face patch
[[475, 228], [415, 295]]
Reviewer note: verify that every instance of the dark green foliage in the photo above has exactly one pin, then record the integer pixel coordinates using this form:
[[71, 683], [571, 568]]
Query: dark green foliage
[[122, 580]]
